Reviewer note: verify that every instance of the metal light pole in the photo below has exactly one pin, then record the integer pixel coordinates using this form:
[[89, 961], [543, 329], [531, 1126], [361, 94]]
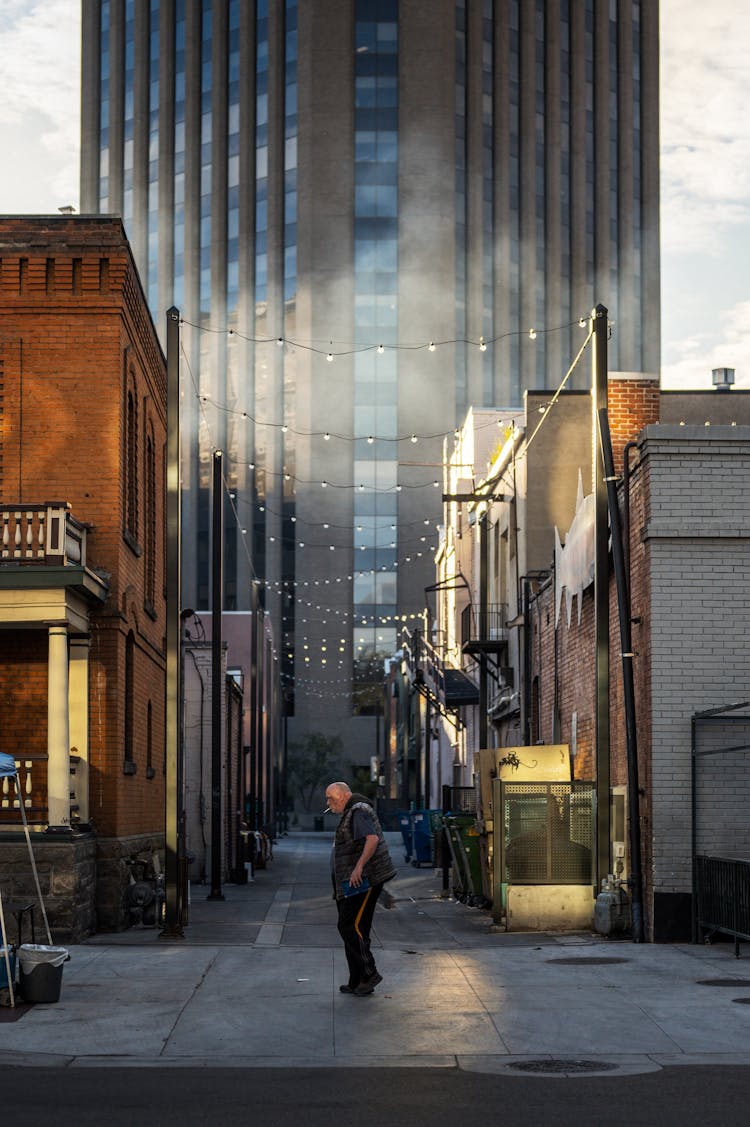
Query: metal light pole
[[217, 687], [600, 329], [173, 783]]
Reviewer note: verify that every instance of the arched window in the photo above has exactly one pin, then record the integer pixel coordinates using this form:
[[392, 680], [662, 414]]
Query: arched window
[[131, 466], [536, 717], [129, 733], [150, 523], [150, 772]]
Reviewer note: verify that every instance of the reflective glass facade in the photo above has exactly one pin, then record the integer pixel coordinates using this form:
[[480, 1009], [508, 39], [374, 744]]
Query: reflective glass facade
[[436, 170], [375, 538]]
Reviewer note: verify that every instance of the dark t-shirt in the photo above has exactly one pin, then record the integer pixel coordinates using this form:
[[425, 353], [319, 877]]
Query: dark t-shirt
[[363, 826]]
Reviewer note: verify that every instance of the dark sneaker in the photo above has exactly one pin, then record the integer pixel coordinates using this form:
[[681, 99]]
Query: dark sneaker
[[345, 988], [368, 985]]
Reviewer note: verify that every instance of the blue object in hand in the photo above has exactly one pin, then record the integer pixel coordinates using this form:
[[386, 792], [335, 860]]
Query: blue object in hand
[[350, 890]]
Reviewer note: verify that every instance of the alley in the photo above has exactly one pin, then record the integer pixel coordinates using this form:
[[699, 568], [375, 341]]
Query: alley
[[255, 983]]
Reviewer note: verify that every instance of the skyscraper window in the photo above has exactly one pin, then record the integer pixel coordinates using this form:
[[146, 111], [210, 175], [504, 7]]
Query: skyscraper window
[[303, 186]]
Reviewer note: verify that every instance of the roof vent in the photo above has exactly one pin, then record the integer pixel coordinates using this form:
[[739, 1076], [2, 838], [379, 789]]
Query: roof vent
[[723, 378]]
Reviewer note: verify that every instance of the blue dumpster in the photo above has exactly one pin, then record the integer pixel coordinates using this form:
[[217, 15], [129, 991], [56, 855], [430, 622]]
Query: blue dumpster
[[423, 831]]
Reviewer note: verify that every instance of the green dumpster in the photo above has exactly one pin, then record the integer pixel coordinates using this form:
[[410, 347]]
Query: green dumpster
[[463, 839]]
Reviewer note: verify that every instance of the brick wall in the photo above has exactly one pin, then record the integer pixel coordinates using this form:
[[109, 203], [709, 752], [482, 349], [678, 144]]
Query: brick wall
[[76, 336], [632, 404], [697, 534], [689, 548]]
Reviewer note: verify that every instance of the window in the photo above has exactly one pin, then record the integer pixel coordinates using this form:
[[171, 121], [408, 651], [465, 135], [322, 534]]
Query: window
[[150, 526], [129, 766], [131, 483], [150, 772]]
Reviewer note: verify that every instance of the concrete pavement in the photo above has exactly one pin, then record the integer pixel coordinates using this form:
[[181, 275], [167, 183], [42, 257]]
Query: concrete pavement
[[255, 984]]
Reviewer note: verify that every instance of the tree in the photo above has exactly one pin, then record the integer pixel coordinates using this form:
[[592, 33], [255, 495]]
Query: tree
[[313, 761]]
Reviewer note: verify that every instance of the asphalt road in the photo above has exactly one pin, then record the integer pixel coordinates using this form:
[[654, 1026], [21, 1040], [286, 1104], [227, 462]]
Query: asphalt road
[[404, 1097]]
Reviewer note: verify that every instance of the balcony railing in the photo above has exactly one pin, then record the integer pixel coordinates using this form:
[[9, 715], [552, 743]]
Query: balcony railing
[[484, 630], [42, 534], [32, 774]]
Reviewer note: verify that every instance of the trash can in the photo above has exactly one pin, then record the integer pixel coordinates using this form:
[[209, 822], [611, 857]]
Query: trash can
[[423, 830], [4, 970], [41, 971], [463, 839]]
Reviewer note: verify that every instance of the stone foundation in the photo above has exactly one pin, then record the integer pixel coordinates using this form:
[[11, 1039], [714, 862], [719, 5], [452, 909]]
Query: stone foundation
[[67, 877], [84, 881]]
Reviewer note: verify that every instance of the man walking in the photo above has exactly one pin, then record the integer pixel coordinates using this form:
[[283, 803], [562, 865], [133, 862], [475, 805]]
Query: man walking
[[360, 866]]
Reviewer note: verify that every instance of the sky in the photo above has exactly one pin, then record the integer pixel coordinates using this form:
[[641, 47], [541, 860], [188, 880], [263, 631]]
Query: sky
[[705, 172]]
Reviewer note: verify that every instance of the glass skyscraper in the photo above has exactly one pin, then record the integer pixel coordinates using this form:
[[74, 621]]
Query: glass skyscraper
[[362, 209]]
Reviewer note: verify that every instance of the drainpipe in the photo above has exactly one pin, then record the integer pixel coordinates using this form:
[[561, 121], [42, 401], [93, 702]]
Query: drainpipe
[[623, 607], [526, 663], [626, 503]]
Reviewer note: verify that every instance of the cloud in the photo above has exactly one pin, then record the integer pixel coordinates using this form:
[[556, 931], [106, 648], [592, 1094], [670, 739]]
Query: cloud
[[725, 346], [40, 105], [705, 127]]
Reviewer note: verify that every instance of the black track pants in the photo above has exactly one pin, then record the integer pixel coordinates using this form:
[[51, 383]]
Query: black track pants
[[355, 923]]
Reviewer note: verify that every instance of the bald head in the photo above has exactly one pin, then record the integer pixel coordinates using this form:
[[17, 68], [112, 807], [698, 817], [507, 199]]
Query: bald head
[[337, 796]]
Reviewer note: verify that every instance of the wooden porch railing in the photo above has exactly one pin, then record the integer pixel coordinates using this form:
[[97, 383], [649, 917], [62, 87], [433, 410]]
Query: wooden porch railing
[[42, 534], [32, 772]]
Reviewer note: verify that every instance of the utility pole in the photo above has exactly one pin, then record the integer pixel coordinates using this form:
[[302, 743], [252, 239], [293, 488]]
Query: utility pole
[[217, 679], [482, 624], [600, 330], [173, 749]]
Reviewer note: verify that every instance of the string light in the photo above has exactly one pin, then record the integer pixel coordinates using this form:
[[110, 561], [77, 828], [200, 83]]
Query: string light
[[363, 621], [342, 350]]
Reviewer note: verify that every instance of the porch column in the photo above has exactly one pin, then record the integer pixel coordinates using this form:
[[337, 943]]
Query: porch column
[[58, 737], [78, 717]]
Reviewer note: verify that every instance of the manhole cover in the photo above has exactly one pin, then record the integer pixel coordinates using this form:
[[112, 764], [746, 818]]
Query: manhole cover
[[734, 982], [586, 961], [564, 1066]]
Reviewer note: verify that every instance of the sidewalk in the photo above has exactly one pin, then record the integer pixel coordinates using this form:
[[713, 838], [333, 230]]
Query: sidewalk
[[255, 983]]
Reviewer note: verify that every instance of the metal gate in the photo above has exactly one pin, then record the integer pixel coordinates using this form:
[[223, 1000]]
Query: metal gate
[[721, 822], [547, 833]]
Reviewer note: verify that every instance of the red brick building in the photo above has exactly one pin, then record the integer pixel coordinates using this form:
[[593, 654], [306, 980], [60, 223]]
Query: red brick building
[[82, 569]]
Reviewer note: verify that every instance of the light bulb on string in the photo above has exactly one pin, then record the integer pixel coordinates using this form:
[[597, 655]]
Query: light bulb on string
[[532, 334], [431, 346], [482, 345], [327, 437]]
